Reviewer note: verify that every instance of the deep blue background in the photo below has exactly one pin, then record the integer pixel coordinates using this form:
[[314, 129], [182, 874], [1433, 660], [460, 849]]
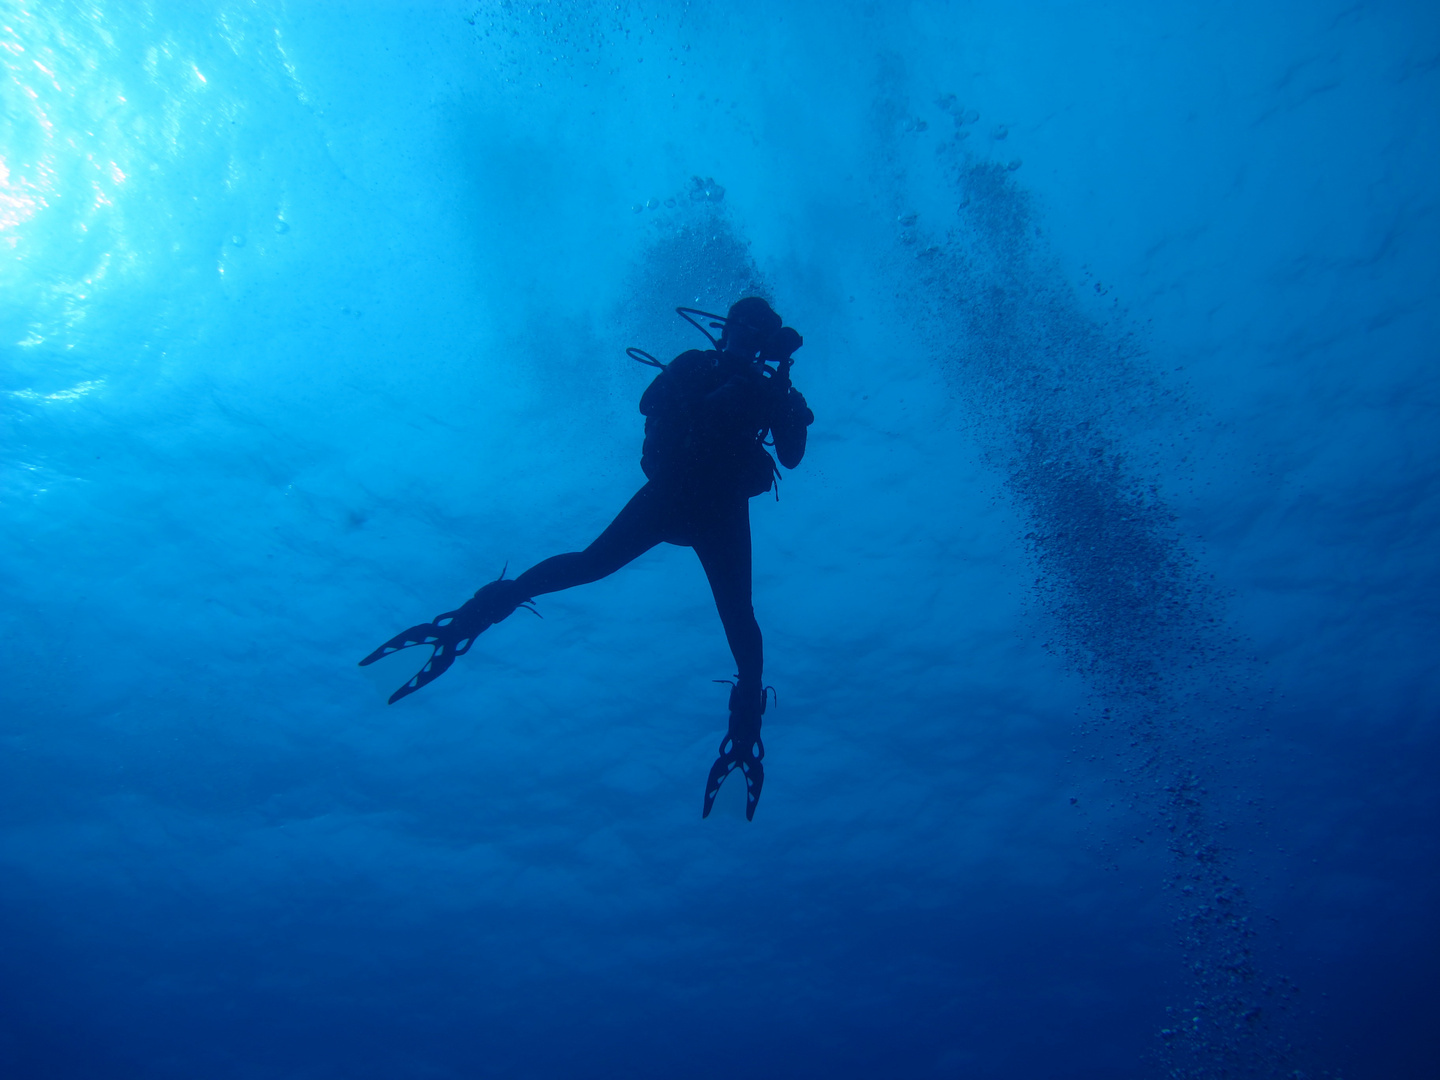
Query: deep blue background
[[1102, 612]]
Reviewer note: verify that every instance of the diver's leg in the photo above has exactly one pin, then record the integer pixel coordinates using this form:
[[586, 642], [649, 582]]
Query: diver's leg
[[723, 544], [639, 526], [636, 529]]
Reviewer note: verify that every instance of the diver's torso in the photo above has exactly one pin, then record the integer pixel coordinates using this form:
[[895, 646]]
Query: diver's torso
[[705, 422]]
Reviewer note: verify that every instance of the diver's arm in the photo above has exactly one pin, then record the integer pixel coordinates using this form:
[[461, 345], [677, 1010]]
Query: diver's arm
[[790, 427]]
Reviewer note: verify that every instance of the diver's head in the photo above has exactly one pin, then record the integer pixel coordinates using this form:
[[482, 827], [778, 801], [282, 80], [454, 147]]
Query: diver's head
[[749, 326]]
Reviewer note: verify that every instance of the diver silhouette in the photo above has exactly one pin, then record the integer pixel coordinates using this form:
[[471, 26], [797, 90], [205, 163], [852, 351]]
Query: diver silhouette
[[707, 415]]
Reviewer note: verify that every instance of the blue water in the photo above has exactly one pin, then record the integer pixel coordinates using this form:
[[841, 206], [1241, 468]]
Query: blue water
[[1102, 612]]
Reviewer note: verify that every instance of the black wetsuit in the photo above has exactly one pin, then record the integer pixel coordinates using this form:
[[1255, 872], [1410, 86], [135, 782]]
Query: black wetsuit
[[707, 415]]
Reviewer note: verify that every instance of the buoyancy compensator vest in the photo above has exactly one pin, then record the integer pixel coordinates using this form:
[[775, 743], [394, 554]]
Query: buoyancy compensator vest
[[705, 425], [708, 411]]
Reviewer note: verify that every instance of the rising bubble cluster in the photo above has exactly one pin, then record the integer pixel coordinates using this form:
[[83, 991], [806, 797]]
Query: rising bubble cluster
[[1065, 407]]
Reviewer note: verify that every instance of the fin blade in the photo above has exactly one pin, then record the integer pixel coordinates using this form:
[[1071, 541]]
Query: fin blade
[[421, 634], [437, 665], [754, 781], [722, 768]]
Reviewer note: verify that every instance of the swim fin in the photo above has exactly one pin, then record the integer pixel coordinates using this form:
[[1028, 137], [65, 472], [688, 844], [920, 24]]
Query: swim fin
[[740, 749], [451, 634]]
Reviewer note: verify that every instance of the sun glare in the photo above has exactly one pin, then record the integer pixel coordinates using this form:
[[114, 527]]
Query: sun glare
[[17, 202]]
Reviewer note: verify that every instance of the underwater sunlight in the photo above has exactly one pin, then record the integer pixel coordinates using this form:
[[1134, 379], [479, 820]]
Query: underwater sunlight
[[1049, 690]]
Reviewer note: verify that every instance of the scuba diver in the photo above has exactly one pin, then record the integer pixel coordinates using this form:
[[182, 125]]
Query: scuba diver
[[707, 415]]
